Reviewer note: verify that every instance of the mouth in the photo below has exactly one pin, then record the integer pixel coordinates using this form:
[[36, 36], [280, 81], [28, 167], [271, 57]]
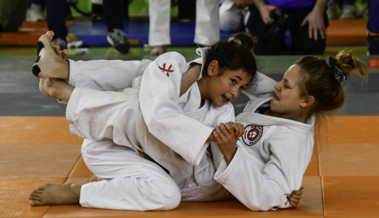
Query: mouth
[[225, 99], [276, 97]]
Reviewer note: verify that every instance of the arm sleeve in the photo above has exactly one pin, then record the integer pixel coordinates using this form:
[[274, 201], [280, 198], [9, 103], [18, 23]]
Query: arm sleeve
[[159, 97], [260, 85], [106, 75], [264, 186]]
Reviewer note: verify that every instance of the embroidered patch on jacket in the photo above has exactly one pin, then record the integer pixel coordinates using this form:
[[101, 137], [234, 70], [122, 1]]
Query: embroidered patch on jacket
[[166, 70], [252, 134]]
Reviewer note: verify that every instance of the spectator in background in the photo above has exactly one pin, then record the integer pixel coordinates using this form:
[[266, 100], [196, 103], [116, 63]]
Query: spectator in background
[[207, 30], [113, 15], [12, 14], [269, 20], [373, 28]]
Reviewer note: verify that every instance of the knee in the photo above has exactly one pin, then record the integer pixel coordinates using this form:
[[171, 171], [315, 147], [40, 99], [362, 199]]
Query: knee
[[172, 198]]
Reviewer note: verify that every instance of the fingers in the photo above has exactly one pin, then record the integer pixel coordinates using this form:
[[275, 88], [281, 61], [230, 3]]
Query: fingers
[[222, 133], [295, 197]]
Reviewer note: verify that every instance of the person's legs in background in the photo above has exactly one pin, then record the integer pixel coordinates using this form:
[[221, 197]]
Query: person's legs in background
[[373, 28], [56, 21], [301, 43], [113, 15], [231, 17], [268, 44], [159, 25], [207, 29], [12, 14]]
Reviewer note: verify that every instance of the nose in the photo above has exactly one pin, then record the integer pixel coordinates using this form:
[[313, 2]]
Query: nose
[[277, 86], [235, 92]]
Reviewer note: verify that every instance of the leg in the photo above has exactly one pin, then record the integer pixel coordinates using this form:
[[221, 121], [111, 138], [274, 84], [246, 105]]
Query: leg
[[373, 28], [12, 15], [207, 30], [300, 36], [267, 44], [231, 17], [56, 21], [159, 25], [113, 14], [136, 183], [50, 194]]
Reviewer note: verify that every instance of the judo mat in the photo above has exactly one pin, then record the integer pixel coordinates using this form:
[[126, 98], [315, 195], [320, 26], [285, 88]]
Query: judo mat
[[339, 32], [341, 180]]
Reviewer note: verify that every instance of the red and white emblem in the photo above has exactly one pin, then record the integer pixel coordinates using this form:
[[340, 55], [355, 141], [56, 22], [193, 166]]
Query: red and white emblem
[[252, 134], [166, 70]]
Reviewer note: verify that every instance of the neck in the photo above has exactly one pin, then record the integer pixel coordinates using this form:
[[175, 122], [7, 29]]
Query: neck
[[296, 117], [202, 83]]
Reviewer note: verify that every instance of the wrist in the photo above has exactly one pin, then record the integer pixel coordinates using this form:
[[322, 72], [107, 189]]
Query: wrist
[[229, 156]]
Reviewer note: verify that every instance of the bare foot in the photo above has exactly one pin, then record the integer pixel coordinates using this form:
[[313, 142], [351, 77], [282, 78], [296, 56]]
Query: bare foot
[[49, 194], [158, 50], [50, 63], [56, 88]]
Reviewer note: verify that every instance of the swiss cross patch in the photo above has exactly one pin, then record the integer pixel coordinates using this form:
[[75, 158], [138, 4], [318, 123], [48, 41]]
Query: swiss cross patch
[[252, 134], [168, 70]]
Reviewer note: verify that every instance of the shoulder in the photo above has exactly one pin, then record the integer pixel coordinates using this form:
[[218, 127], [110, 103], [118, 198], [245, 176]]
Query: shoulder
[[172, 55]]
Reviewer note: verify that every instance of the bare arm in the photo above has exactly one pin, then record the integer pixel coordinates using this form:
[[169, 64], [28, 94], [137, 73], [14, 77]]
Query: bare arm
[[189, 77]]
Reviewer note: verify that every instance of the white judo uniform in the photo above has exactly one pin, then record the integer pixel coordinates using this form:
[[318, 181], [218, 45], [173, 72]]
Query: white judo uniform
[[114, 129], [207, 29], [270, 161], [271, 156]]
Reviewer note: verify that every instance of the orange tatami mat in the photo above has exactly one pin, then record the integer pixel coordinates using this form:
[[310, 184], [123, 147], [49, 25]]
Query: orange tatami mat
[[311, 208], [14, 194], [351, 196], [341, 180]]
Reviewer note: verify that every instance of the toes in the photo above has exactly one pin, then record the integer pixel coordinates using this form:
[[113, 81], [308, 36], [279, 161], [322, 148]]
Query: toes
[[40, 46], [36, 70], [35, 203]]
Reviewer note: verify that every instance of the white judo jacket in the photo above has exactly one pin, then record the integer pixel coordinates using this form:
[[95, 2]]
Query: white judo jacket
[[271, 156]]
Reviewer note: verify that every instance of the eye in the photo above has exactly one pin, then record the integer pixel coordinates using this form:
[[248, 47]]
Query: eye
[[285, 86], [242, 87], [233, 81]]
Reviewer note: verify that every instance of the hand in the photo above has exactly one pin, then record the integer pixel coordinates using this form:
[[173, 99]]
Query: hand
[[226, 136], [294, 197], [264, 10], [316, 25]]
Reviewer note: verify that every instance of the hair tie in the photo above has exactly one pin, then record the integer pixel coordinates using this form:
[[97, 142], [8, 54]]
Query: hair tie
[[338, 72], [235, 40]]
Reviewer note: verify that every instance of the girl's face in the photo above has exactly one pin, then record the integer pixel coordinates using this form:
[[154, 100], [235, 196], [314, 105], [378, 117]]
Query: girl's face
[[287, 101], [227, 87]]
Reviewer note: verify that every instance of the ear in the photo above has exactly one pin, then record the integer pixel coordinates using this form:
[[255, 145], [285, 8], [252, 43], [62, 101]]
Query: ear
[[213, 68], [307, 102]]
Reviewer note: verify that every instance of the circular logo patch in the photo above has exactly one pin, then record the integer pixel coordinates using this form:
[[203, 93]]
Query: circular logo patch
[[252, 134]]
